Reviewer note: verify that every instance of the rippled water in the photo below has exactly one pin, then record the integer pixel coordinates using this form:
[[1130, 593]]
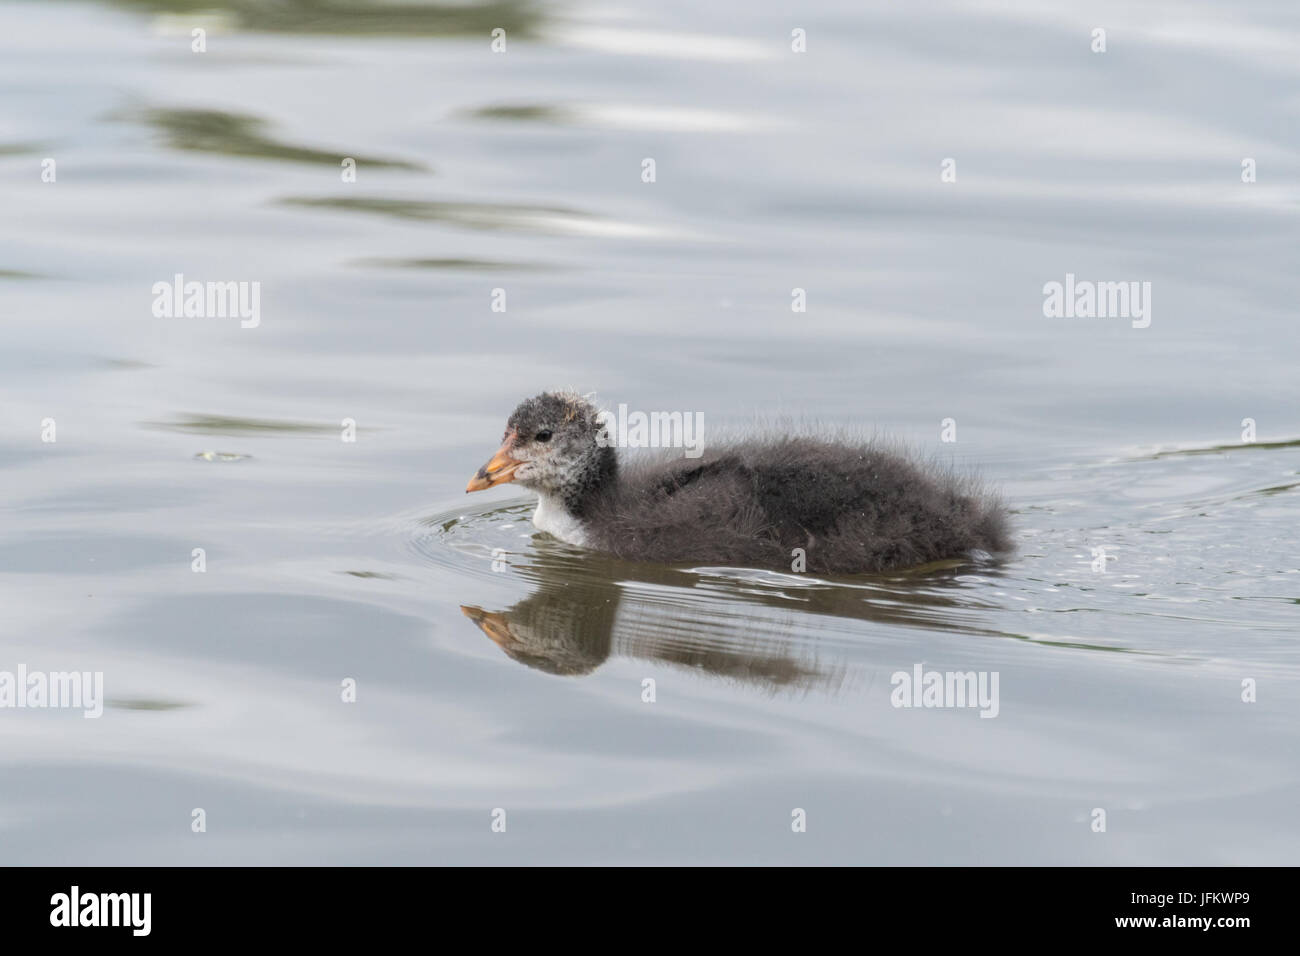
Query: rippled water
[[496, 668]]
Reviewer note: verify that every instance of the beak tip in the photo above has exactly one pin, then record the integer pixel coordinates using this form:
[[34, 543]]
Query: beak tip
[[498, 471]]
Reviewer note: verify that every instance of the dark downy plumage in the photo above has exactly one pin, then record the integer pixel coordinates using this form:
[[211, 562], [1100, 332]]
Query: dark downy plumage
[[850, 506]]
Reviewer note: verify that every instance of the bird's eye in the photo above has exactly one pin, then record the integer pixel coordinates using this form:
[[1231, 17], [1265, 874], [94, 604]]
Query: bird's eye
[[544, 435]]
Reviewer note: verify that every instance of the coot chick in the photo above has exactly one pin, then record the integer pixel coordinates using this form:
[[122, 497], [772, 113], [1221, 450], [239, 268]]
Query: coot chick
[[782, 502]]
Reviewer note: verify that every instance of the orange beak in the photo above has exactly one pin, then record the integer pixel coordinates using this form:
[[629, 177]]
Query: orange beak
[[497, 471], [495, 626]]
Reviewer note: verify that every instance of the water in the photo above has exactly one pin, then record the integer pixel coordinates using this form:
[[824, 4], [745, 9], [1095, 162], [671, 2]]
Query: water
[[497, 669]]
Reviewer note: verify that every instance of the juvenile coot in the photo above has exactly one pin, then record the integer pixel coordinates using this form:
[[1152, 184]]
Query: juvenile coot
[[780, 502]]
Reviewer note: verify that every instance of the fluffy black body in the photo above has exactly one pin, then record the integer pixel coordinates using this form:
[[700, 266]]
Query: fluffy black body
[[851, 507]]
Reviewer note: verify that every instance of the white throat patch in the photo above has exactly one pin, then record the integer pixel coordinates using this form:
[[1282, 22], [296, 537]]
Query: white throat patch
[[552, 517]]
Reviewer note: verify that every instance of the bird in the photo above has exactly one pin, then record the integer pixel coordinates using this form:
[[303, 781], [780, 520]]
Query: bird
[[781, 501]]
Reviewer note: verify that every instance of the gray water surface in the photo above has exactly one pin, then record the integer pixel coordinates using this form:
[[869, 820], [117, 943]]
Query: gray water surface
[[498, 668]]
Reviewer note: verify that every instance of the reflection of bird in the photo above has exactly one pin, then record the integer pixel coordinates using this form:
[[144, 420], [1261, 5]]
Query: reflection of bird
[[581, 615], [849, 508], [751, 628], [551, 632]]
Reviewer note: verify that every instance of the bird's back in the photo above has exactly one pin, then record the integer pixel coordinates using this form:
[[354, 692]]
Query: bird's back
[[849, 507]]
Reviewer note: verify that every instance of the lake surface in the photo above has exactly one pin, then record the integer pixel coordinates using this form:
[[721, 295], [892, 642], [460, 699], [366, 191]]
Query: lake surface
[[496, 669]]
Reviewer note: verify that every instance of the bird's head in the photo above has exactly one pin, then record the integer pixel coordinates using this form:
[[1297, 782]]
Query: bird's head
[[554, 444]]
